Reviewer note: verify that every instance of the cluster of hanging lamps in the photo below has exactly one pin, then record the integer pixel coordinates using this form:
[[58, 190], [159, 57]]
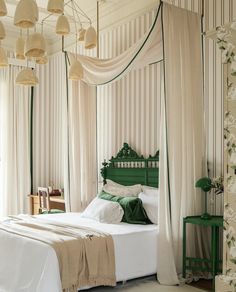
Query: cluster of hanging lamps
[[26, 16], [34, 46]]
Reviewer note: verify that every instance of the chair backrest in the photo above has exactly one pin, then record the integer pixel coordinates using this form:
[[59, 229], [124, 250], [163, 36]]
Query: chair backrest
[[44, 199]]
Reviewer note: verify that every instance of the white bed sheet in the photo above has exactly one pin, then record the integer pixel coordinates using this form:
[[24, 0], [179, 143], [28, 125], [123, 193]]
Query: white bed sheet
[[30, 266]]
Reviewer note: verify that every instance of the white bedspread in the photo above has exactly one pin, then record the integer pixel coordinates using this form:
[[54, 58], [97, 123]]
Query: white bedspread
[[31, 266]]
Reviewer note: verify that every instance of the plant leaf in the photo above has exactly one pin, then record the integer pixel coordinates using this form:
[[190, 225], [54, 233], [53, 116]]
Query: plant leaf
[[204, 183]]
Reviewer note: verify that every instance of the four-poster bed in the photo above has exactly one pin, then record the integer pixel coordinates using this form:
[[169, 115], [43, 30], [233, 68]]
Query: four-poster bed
[[180, 159]]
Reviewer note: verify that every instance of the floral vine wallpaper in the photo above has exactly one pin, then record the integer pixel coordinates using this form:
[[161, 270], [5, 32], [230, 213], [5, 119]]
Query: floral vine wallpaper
[[226, 40]]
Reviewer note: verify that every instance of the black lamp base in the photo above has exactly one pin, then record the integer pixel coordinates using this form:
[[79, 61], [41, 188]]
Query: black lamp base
[[206, 216]]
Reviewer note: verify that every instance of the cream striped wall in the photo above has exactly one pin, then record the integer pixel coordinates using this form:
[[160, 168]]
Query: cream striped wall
[[129, 109]]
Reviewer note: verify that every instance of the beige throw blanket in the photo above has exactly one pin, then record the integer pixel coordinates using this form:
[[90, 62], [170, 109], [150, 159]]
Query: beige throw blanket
[[85, 256]]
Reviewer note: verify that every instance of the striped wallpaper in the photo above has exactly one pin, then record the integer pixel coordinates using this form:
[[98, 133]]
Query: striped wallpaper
[[129, 110]]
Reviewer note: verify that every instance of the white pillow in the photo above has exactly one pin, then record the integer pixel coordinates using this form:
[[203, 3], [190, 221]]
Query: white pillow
[[104, 211], [116, 189], [150, 199]]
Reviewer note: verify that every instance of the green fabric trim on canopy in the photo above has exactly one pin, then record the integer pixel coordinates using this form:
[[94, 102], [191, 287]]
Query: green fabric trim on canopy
[[147, 50]]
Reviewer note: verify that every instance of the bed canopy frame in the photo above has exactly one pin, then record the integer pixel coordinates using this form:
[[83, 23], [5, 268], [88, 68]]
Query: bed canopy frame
[[129, 168]]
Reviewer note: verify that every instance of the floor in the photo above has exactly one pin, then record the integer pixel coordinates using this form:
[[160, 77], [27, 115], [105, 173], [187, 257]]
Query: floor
[[147, 284]]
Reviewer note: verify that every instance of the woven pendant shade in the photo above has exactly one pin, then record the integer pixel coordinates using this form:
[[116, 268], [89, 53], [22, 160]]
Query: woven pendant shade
[[56, 6], [26, 14], [76, 71], [3, 8], [27, 77], [90, 38], [20, 48], [81, 34], [233, 68], [2, 31], [3, 58], [42, 60], [63, 26], [35, 45]]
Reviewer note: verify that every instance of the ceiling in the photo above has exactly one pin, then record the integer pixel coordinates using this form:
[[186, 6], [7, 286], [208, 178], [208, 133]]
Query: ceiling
[[111, 12]]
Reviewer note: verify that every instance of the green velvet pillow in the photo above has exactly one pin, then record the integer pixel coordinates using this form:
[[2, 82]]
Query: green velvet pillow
[[134, 212]]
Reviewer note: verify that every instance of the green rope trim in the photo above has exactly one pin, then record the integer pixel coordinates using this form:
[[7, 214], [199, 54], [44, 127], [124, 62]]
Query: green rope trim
[[165, 101], [31, 139], [152, 28], [68, 134]]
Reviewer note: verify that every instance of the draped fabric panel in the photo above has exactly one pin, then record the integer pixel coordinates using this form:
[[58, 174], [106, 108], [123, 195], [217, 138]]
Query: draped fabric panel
[[82, 172], [14, 143], [184, 136], [147, 50]]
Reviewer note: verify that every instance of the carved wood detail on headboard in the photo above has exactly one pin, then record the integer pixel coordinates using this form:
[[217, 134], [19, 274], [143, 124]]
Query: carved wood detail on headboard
[[128, 168]]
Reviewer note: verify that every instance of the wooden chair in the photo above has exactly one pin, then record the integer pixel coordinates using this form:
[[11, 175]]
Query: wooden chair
[[44, 202]]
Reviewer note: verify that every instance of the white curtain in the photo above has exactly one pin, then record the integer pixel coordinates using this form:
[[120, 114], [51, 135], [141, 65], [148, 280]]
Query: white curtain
[[14, 143], [64, 135], [81, 178], [182, 139], [49, 124]]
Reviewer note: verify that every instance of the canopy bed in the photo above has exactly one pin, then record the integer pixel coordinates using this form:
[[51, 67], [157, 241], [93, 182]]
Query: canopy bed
[[175, 40]]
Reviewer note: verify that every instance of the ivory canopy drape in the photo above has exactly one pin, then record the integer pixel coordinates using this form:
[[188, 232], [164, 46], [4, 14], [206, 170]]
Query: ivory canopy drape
[[14, 143], [181, 142], [182, 139]]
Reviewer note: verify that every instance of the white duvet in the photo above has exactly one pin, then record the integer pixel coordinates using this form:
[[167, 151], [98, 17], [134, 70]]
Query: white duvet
[[31, 266]]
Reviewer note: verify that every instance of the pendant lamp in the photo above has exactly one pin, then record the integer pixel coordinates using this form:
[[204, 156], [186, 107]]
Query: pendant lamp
[[233, 67], [35, 45], [76, 71], [27, 77], [3, 8], [2, 31], [56, 6], [90, 38], [42, 60], [62, 26], [26, 14], [20, 48], [3, 58], [81, 34]]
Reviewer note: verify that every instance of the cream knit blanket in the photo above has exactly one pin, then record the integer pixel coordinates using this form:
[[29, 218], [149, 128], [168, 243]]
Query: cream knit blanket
[[85, 256]]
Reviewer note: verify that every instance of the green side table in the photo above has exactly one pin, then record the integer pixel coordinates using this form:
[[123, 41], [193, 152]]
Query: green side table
[[198, 264]]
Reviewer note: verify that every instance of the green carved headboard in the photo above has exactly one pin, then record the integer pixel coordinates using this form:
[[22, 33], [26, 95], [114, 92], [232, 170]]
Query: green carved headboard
[[128, 168]]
